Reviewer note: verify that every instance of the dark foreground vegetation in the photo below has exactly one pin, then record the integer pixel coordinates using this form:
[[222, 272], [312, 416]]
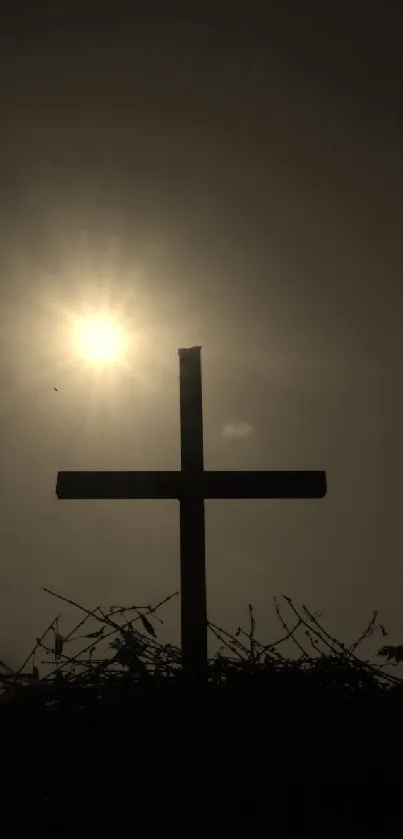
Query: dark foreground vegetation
[[108, 701]]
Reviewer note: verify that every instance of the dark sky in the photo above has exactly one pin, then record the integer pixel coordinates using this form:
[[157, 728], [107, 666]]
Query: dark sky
[[230, 181]]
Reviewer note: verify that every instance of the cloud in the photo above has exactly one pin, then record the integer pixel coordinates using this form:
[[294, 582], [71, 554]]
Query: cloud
[[237, 429]]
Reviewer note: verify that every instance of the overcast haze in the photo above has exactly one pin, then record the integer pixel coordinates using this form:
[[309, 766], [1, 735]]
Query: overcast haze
[[233, 186]]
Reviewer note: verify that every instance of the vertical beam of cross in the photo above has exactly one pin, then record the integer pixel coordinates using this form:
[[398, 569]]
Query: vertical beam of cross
[[192, 521]]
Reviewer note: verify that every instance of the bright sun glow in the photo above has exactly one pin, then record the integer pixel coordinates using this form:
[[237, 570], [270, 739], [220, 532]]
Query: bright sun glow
[[100, 340]]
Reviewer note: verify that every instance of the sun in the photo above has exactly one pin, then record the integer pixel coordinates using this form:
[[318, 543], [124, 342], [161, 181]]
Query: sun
[[100, 340]]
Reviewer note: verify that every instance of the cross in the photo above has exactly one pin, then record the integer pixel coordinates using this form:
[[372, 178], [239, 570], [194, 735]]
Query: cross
[[191, 486]]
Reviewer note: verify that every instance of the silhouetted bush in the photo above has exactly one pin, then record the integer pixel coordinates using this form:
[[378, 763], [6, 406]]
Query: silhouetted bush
[[122, 660], [123, 687]]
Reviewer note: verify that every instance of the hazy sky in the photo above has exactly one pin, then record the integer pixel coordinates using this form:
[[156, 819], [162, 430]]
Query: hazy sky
[[231, 183]]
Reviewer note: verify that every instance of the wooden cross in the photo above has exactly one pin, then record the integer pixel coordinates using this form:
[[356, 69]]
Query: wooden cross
[[191, 486]]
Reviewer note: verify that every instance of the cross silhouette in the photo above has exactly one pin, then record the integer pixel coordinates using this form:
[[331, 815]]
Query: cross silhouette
[[191, 486]]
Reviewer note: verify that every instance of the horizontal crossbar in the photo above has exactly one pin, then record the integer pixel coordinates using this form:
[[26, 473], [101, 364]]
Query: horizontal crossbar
[[183, 485]]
